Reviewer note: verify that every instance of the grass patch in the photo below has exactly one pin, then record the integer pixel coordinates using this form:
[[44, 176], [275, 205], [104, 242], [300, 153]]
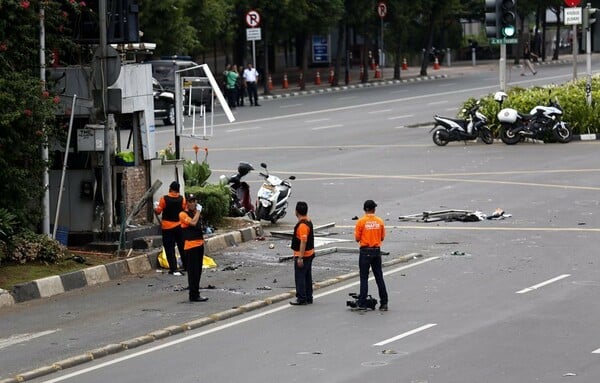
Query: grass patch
[[13, 273]]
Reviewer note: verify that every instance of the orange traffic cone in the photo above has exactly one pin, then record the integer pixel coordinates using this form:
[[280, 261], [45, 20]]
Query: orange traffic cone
[[318, 78], [331, 75], [362, 73], [270, 83], [404, 64], [436, 64], [377, 72], [285, 81], [373, 64]]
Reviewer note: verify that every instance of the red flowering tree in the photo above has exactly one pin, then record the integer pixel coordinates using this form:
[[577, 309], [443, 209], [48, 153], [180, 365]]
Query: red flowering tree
[[27, 109]]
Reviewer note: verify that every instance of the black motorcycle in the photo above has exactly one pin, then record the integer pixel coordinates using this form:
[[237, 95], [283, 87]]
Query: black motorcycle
[[240, 201], [453, 129]]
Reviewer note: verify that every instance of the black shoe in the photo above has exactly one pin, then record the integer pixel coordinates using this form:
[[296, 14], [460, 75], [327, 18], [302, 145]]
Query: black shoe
[[199, 299], [298, 303], [256, 104], [383, 307], [309, 302]]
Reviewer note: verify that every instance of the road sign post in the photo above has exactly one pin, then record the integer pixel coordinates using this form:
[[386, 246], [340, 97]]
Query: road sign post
[[253, 33]]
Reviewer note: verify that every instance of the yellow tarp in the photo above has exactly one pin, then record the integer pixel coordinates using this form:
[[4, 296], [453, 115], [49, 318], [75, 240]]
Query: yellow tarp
[[207, 262]]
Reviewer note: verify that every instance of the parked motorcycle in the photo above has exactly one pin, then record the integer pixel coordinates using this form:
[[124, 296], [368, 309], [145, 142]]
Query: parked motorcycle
[[541, 122], [273, 196], [240, 202], [452, 129]]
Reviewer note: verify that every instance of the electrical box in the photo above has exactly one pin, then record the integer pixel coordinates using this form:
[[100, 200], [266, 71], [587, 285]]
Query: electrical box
[[90, 138]]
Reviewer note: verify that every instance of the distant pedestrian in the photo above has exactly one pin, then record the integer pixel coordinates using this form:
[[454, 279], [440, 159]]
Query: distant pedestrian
[[527, 56], [232, 77], [303, 245], [170, 206], [251, 79], [369, 232], [191, 224], [240, 87]]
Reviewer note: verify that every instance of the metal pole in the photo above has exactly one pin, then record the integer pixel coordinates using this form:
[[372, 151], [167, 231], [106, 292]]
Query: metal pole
[[107, 173], [575, 50], [45, 153], [473, 57], [64, 168], [381, 54], [254, 54], [588, 51], [502, 67]]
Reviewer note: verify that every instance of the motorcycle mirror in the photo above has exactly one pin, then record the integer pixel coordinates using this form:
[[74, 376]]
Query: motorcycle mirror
[[292, 178], [263, 165]]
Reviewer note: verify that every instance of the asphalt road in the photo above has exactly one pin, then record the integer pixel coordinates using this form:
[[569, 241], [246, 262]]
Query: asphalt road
[[503, 301]]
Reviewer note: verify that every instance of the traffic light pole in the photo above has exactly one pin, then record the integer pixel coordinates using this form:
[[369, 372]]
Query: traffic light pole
[[502, 67], [588, 52]]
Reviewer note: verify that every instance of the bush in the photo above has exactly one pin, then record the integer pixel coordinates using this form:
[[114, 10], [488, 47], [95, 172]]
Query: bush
[[214, 200], [581, 118], [29, 247]]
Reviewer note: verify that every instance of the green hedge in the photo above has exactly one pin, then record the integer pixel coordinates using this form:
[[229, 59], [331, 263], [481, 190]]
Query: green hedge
[[214, 200], [581, 118]]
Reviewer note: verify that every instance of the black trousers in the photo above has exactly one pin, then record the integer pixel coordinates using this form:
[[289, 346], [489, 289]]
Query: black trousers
[[252, 93], [303, 279], [170, 238], [370, 258], [194, 257]]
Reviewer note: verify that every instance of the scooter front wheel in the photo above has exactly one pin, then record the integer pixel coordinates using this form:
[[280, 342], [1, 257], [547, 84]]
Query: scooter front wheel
[[261, 213], [486, 135]]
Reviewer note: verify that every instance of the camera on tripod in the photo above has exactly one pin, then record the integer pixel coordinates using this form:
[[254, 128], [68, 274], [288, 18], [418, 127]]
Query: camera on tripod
[[370, 302]]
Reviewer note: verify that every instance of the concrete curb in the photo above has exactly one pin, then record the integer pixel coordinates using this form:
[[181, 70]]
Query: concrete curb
[[58, 284], [178, 329], [330, 89]]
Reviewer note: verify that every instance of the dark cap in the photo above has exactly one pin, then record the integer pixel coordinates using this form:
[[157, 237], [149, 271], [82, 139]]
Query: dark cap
[[369, 205], [174, 186], [191, 197]]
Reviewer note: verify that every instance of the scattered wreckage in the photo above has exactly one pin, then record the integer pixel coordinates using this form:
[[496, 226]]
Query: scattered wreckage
[[452, 215]]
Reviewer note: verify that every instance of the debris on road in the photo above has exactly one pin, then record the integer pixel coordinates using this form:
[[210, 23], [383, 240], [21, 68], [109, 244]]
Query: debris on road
[[452, 215]]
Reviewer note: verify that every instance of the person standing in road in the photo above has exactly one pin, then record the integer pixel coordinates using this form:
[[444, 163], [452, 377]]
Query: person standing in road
[[251, 79], [303, 244], [170, 206], [240, 87], [232, 77], [527, 55], [369, 232], [191, 224]]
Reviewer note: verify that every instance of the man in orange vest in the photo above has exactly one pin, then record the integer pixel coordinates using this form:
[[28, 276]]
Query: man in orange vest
[[369, 232], [170, 206], [303, 244], [191, 224]]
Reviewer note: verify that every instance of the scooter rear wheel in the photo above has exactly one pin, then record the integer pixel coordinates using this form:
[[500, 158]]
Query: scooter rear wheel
[[440, 136]]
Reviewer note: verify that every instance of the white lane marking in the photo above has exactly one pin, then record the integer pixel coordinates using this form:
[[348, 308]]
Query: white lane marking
[[317, 120], [380, 111], [327, 127], [534, 287], [241, 129], [403, 116], [282, 307], [596, 351], [450, 109], [347, 98], [290, 106], [21, 338], [438, 102], [404, 335], [399, 127]]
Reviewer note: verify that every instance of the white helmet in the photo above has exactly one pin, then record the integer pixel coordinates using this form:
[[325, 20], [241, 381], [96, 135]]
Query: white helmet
[[500, 96]]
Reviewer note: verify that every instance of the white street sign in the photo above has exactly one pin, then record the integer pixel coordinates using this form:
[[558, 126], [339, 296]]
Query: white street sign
[[573, 16], [253, 34]]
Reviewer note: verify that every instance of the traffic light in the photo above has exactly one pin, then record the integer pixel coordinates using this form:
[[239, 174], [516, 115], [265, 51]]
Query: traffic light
[[491, 18], [589, 17], [507, 18]]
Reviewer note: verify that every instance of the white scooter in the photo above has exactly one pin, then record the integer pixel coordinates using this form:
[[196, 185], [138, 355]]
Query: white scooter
[[273, 195]]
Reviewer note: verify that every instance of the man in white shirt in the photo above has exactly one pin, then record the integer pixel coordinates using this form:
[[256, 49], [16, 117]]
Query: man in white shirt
[[251, 78]]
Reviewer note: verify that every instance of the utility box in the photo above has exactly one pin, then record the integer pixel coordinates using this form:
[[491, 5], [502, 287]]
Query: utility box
[[90, 138]]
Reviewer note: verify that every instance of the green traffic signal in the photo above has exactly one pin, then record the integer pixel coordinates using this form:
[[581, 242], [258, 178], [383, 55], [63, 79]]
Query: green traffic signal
[[508, 17]]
